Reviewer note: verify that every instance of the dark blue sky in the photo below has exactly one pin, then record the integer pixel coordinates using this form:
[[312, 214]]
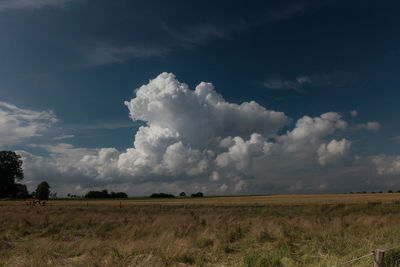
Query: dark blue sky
[[82, 59]]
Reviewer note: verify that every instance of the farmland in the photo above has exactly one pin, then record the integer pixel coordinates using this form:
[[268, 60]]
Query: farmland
[[279, 230]]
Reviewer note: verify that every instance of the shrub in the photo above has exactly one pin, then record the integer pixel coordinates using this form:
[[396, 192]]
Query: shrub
[[198, 194]]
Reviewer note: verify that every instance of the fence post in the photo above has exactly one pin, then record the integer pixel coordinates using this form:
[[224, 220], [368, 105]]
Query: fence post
[[378, 258], [120, 204]]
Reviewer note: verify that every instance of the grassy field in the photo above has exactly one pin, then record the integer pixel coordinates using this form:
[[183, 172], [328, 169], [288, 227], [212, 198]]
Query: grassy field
[[293, 230]]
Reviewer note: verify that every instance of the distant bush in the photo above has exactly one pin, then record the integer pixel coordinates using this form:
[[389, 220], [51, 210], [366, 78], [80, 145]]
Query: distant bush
[[198, 194], [104, 194], [161, 195], [182, 194]]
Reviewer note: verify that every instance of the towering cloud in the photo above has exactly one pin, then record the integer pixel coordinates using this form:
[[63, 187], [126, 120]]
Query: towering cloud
[[196, 139]]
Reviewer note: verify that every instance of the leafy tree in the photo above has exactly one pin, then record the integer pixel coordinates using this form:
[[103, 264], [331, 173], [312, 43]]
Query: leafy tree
[[21, 191], [42, 191], [10, 171], [182, 194]]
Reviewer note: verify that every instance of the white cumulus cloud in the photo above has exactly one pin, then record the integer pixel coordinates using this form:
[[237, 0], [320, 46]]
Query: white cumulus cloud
[[387, 165], [196, 140], [332, 151]]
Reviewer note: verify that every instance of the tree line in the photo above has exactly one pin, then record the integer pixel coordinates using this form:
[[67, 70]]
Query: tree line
[[182, 194], [104, 194], [11, 174]]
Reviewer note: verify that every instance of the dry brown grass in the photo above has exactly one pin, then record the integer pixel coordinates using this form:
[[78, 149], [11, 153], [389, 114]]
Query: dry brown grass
[[238, 231]]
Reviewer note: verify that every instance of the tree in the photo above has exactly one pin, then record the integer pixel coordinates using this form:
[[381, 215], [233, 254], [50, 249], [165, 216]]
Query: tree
[[42, 191], [104, 194], [161, 195], [10, 171], [21, 191], [182, 194], [198, 194]]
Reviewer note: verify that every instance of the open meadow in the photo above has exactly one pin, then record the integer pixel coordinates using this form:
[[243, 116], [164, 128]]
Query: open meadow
[[279, 230]]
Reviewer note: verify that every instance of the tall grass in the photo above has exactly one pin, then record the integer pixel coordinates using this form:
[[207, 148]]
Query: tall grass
[[195, 235]]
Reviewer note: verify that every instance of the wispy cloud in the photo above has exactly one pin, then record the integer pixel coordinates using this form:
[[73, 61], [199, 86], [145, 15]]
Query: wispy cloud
[[64, 136], [299, 83], [110, 125], [202, 33], [30, 4], [396, 138], [18, 124], [372, 126], [190, 36], [286, 12], [278, 84], [100, 53]]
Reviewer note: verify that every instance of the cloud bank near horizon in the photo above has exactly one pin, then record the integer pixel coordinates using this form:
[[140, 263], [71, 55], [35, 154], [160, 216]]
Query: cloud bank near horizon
[[196, 140]]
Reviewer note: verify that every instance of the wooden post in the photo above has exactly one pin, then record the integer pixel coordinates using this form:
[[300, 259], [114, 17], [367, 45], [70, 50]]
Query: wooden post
[[378, 258], [120, 204], [87, 203]]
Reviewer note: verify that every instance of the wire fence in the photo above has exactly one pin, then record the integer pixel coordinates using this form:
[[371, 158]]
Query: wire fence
[[381, 257]]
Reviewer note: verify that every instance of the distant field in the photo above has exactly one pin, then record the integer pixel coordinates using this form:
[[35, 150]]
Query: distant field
[[316, 199], [279, 230]]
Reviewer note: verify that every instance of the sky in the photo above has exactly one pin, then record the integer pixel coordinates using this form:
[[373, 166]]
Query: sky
[[222, 97]]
